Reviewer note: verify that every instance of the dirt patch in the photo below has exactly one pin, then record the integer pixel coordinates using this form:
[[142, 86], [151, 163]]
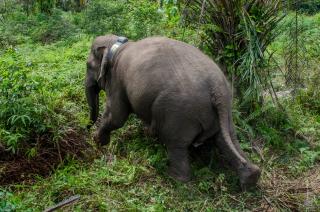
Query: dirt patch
[[18, 168]]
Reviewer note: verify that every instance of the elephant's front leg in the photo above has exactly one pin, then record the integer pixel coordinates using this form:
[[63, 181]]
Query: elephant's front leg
[[114, 117]]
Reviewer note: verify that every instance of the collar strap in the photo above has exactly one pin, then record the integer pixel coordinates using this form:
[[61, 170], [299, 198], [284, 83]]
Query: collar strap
[[114, 48]]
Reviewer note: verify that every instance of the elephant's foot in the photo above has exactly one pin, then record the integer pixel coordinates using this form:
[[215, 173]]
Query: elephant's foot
[[182, 176], [101, 138], [249, 176]]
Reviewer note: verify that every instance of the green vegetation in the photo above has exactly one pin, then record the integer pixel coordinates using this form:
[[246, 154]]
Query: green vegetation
[[40, 93], [305, 6], [237, 34], [43, 113]]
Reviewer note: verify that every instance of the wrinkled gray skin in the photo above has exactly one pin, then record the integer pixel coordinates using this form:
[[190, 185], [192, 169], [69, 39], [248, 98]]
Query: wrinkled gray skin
[[176, 90]]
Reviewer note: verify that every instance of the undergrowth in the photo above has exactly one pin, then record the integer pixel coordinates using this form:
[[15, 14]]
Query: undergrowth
[[39, 94], [130, 174]]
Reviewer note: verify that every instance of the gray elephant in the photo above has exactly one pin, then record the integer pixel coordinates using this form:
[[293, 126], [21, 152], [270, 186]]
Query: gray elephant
[[175, 89]]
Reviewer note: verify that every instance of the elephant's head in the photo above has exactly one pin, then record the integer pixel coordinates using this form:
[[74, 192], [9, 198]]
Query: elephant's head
[[97, 70]]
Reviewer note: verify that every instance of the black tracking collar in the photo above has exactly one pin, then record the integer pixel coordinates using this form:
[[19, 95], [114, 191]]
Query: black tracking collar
[[113, 49]]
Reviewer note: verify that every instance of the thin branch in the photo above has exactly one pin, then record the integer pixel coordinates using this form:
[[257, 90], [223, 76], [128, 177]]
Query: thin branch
[[63, 203], [200, 17]]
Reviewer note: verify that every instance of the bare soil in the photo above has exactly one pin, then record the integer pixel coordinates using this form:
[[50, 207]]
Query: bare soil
[[21, 168]]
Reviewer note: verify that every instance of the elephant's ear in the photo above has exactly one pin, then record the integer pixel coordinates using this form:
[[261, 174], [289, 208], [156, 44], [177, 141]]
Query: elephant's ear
[[103, 67]]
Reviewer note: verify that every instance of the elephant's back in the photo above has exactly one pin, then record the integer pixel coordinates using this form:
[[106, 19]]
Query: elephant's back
[[165, 62], [173, 55], [164, 74]]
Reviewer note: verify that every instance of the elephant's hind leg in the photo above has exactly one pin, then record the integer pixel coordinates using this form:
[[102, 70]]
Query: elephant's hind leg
[[178, 136]]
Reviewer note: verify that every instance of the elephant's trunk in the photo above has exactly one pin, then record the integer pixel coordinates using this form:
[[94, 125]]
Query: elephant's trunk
[[92, 94]]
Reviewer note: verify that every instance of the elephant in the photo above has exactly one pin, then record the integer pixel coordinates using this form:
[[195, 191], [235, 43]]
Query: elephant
[[175, 89]]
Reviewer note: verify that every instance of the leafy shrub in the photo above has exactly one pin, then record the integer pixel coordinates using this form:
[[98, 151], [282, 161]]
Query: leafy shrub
[[306, 6], [19, 27], [267, 122], [18, 116], [35, 106], [13, 25], [4, 204], [293, 131], [66, 5], [310, 99], [143, 20], [135, 19], [103, 17], [52, 28]]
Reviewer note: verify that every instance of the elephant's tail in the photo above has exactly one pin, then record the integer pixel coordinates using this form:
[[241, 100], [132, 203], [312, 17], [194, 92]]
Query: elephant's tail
[[222, 101]]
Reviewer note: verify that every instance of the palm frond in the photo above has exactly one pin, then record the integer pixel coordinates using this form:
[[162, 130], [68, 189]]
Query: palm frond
[[237, 33]]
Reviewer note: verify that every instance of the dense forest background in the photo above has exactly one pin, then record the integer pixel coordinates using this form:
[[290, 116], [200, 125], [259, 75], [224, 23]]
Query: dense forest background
[[268, 49]]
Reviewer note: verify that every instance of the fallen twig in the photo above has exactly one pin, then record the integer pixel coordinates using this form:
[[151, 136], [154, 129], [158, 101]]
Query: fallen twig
[[268, 201], [63, 203]]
